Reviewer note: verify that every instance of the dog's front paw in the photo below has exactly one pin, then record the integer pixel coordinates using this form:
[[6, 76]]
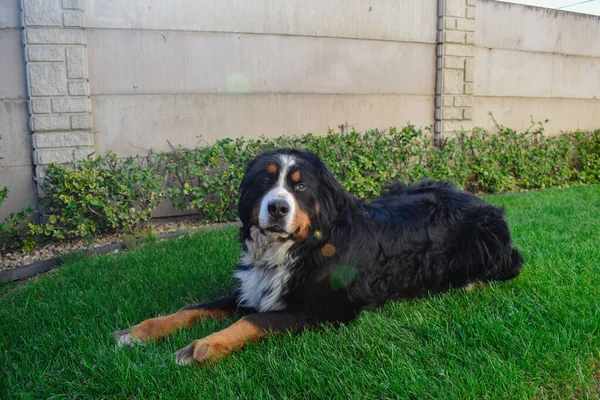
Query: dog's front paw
[[220, 344], [200, 352], [125, 338], [185, 356]]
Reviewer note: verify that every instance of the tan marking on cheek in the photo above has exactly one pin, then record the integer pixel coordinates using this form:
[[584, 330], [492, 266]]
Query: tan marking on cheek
[[296, 176], [157, 328], [272, 169], [328, 250], [301, 222]]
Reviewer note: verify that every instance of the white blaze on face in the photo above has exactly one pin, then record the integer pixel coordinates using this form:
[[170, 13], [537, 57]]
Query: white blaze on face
[[264, 283], [278, 192]]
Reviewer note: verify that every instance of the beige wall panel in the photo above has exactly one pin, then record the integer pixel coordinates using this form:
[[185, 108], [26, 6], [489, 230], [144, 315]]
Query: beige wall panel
[[406, 20], [12, 66], [9, 13], [527, 74], [130, 125], [22, 192], [148, 62], [15, 145], [15, 169], [516, 113], [514, 26], [15, 148]]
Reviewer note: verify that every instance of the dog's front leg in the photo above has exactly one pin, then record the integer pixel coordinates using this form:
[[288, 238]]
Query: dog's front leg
[[248, 329], [157, 328]]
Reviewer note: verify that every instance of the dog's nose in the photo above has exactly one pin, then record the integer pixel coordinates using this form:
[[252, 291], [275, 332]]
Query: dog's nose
[[278, 208]]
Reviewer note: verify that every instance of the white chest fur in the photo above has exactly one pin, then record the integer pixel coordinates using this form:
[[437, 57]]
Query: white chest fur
[[263, 284], [262, 288]]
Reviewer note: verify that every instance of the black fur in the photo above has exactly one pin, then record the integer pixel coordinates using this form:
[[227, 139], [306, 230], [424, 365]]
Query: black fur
[[414, 240]]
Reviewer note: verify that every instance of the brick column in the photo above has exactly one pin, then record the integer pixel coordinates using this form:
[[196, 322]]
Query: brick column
[[455, 62], [57, 81]]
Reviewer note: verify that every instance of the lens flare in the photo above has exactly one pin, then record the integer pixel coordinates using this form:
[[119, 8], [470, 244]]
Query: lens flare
[[343, 276], [237, 82]]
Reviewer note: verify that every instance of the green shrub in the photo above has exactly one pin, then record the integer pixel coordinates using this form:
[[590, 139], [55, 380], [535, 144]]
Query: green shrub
[[97, 195], [207, 178], [586, 158], [3, 194], [107, 194], [12, 229], [510, 160]]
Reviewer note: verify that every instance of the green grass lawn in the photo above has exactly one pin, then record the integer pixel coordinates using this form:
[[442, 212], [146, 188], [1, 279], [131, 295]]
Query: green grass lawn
[[537, 336]]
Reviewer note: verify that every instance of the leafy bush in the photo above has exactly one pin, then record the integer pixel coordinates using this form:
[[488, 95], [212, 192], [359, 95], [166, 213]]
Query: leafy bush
[[13, 231], [102, 194], [3, 194], [207, 178], [511, 161], [586, 158], [107, 194]]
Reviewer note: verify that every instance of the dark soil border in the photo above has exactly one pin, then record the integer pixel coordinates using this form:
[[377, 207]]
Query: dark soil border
[[38, 267]]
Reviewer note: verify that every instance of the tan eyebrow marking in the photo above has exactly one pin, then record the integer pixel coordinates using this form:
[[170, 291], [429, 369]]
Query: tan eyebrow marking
[[272, 169], [296, 176]]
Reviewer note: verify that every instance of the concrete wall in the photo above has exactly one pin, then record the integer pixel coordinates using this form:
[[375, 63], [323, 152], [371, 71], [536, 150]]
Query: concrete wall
[[535, 62], [16, 169], [133, 75], [229, 68]]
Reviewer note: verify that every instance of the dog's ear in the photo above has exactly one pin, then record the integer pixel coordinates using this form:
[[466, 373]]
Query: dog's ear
[[332, 198], [244, 184], [244, 209], [250, 163]]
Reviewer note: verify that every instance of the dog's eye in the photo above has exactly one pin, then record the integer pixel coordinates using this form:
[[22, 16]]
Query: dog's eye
[[265, 181], [300, 187]]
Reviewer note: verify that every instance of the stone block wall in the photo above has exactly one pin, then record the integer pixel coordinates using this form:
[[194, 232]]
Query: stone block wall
[[60, 108], [455, 66]]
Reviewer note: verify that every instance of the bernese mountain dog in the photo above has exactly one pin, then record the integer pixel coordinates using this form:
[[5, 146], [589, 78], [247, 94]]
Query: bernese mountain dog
[[314, 254]]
